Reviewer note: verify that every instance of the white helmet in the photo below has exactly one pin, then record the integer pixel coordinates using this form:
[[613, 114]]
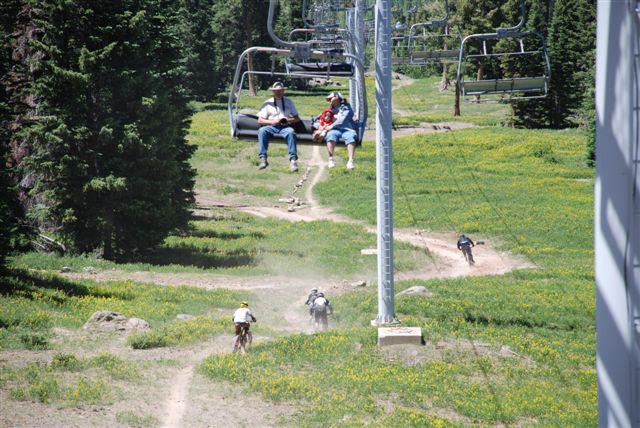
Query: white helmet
[[314, 290]]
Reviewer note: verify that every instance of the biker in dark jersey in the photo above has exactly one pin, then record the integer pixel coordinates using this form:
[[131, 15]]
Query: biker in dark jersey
[[464, 244]]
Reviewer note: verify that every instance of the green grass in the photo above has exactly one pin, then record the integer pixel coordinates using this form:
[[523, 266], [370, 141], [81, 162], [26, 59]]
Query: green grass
[[528, 192], [178, 333], [30, 304], [132, 419], [423, 102], [70, 381], [240, 244]]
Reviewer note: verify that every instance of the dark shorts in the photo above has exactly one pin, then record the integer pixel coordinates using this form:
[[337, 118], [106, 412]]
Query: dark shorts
[[242, 328]]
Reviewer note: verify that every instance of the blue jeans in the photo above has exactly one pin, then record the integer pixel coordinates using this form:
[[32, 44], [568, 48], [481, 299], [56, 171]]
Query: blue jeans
[[348, 135], [286, 131]]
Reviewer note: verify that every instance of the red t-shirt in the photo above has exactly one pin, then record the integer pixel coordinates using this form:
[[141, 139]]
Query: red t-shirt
[[326, 118]]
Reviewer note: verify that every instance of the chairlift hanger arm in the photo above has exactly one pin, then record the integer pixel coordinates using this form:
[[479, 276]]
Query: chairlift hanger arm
[[268, 50], [519, 25]]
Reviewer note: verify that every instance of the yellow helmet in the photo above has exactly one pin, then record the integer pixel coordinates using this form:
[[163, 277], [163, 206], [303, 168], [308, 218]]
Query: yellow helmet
[[244, 304]]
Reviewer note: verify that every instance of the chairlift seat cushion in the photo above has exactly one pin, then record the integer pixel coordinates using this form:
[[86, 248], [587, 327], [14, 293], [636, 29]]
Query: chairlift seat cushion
[[505, 86], [247, 128], [436, 54], [321, 68]]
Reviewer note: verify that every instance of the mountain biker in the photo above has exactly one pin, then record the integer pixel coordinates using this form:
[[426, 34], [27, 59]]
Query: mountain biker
[[241, 318], [464, 244], [320, 308], [312, 296]]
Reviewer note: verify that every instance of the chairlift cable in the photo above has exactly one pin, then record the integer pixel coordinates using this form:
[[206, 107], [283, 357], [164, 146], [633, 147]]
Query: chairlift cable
[[457, 183]]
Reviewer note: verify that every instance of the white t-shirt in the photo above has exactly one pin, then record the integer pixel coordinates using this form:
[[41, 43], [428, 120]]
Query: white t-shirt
[[242, 315], [320, 302], [272, 109]]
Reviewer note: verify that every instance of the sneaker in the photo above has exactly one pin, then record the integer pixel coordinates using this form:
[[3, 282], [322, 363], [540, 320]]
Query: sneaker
[[332, 163], [350, 164], [294, 165], [263, 163]]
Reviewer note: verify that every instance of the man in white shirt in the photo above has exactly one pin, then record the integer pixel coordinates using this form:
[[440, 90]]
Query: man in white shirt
[[320, 308], [241, 319], [276, 116]]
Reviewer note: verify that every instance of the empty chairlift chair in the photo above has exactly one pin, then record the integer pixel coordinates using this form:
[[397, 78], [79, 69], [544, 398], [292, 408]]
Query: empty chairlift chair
[[513, 65], [327, 40], [435, 43], [427, 42]]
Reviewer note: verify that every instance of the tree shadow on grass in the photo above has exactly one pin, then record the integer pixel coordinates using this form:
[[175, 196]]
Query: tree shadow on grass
[[225, 235], [28, 285], [197, 258]]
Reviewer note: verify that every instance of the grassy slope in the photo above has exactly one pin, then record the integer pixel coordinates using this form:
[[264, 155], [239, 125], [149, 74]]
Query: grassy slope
[[31, 304], [422, 102], [526, 188], [531, 191]]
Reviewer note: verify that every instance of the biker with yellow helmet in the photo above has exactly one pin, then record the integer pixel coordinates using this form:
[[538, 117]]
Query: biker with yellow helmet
[[241, 318]]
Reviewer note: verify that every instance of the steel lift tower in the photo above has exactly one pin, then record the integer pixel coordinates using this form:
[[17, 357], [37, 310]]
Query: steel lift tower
[[386, 308], [617, 213]]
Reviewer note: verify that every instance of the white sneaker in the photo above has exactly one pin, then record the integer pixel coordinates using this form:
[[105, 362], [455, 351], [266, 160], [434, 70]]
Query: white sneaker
[[332, 163], [294, 165], [350, 164]]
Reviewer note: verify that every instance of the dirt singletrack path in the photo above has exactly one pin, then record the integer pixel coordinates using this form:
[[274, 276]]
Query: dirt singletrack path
[[176, 404], [448, 261]]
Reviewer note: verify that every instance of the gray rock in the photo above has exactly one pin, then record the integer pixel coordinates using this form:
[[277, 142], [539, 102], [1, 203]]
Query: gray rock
[[418, 290], [184, 317], [137, 324], [106, 321], [359, 284], [65, 269]]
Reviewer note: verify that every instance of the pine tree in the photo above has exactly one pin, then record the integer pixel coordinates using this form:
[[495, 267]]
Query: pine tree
[[8, 201], [571, 44], [534, 113], [473, 17], [199, 47], [108, 142]]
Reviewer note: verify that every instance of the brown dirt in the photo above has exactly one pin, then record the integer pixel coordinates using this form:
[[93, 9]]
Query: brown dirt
[[423, 128]]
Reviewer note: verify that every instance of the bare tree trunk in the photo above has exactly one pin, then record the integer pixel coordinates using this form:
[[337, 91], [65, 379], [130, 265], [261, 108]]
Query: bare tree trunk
[[252, 86], [248, 36], [479, 76], [445, 82]]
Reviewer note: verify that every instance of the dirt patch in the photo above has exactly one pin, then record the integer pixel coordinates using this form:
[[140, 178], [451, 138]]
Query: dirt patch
[[223, 404], [413, 355], [423, 128]]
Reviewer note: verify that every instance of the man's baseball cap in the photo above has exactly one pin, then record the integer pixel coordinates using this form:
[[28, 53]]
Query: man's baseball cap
[[334, 94], [277, 85]]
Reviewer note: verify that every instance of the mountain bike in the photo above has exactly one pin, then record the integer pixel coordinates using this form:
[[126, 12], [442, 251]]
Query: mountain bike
[[241, 340]]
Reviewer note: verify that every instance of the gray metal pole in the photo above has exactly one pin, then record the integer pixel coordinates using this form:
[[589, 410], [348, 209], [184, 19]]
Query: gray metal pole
[[351, 27], [360, 48], [617, 214], [386, 309]]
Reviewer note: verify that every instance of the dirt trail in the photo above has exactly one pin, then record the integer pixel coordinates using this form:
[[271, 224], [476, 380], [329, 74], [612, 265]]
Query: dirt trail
[[281, 307], [449, 263], [176, 404]]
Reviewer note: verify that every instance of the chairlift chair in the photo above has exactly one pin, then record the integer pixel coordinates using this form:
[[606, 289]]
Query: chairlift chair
[[427, 42], [245, 126], [501, 86], [329, 41]]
